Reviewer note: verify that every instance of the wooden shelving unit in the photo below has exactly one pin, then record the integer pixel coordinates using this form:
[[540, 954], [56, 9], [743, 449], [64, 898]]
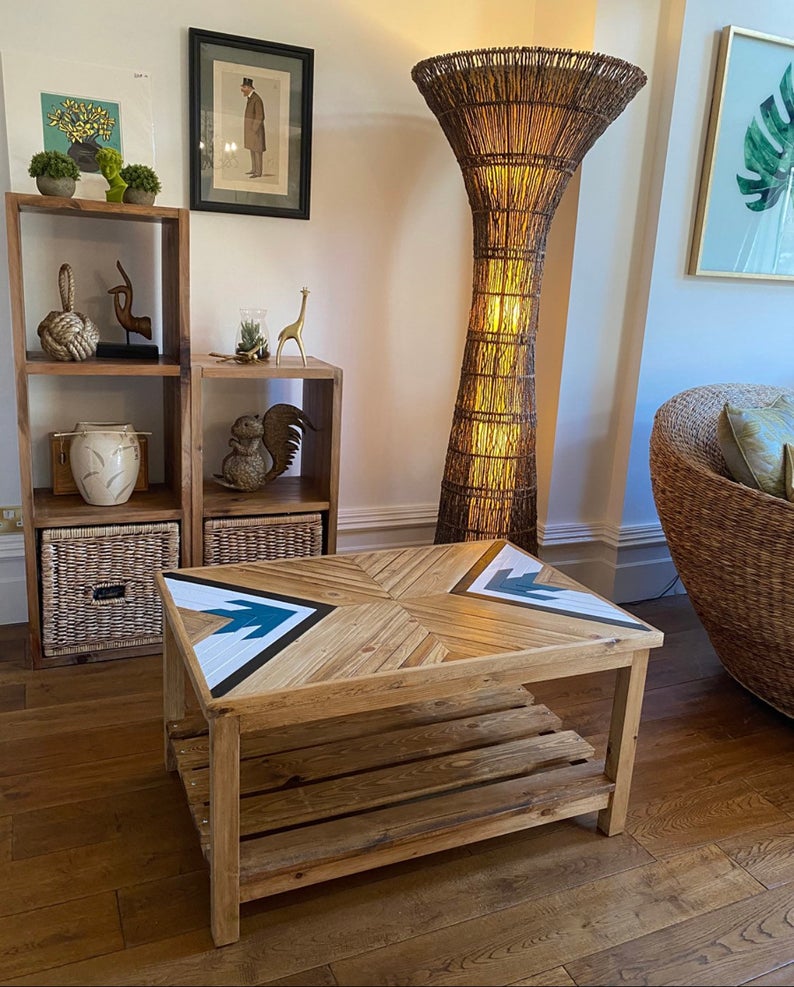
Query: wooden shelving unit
[[187, 494], [167, 501], [315, 489]]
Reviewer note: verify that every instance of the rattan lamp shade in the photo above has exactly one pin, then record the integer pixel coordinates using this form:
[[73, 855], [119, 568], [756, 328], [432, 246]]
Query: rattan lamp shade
[[519, 121]]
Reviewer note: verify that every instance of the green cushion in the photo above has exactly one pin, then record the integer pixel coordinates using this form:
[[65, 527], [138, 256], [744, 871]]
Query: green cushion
[[789, 457], [752, 440]]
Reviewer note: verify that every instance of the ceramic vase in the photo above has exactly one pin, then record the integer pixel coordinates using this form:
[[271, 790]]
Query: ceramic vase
[[105, 458]]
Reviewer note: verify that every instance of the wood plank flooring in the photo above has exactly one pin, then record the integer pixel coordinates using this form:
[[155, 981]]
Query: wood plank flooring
[[102, 879]]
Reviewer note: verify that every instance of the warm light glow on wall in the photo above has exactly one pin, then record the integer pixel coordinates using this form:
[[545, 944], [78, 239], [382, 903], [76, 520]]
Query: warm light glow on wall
[[519, 121]]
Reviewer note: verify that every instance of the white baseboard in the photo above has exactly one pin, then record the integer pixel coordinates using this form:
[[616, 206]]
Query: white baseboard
[[625, 564], [13, 598], [622, 564], [367, 529]]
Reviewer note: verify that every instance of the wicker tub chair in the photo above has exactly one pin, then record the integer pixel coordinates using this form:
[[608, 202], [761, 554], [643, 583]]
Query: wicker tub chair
[[733, 546]]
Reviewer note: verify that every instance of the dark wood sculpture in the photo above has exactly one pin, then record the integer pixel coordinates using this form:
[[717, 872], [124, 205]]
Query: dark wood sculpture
[[122, 303], [140, 324]]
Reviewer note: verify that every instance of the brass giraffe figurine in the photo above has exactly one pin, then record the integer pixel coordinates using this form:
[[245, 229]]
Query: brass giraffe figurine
[[293, 331]]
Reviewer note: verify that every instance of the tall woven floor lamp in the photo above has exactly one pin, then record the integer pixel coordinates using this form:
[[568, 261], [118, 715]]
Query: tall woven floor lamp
[[519, 121]]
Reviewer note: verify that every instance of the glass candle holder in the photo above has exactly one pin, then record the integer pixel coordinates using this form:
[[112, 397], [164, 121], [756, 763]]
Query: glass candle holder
[[253, 336]]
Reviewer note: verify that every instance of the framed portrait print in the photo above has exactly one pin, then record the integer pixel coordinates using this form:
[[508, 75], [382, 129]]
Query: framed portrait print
[[250, 125], [744, 223]]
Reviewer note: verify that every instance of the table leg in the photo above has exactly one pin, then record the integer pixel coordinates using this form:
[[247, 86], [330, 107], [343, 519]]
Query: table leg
[[173, 689], [225, 828], [622, 743]]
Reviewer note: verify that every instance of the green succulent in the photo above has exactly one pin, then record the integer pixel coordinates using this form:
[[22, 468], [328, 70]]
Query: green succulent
[[53, 163], [251, 337], [772, 164], [142, 177]]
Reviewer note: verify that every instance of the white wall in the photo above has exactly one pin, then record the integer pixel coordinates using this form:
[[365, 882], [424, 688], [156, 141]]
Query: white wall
[[702, 330], [387, 251], [581, 528]]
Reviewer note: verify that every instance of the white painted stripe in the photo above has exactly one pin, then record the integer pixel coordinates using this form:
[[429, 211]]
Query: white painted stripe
[[224, 652]]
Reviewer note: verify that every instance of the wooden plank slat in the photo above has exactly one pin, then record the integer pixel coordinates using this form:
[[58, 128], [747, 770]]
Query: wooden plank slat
[[155, 816], [337, 580], [405, 782], [350, 786], [549, 978], [320, 700], [348, 642], [261, 772], [476, 626], [336, 759], [342, 728], [12, 696], [422, 571], [94, 680], [319, 852]]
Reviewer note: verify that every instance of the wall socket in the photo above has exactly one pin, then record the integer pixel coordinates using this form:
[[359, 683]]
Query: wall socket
[[10, 520]]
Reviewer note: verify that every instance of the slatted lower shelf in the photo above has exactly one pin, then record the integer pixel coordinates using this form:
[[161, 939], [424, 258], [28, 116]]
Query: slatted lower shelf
[[321, 800]]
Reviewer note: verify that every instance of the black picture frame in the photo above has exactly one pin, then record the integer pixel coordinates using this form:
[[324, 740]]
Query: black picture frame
[[220, 162]]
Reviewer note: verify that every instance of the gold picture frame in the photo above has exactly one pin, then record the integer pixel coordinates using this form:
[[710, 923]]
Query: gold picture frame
[[744, 221]]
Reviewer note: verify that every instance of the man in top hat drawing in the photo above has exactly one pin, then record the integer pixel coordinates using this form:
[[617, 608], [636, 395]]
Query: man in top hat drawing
[[254, 126]]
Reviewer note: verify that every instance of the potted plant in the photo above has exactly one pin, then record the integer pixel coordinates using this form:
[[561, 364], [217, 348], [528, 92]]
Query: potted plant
[[55, 173], [253, 338], [142, 184]]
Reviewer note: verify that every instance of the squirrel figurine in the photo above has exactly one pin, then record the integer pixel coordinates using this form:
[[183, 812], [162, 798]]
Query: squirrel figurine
[[244, 468]]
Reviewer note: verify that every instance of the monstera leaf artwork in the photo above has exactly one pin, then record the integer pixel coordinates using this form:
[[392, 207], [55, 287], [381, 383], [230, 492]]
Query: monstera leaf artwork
[[772, 160]]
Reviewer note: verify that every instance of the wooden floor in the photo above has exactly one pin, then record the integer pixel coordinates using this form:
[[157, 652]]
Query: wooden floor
[[102, 880]]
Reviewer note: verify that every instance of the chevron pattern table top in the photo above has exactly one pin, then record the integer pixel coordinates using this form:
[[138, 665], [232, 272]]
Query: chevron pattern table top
[[325, 626]]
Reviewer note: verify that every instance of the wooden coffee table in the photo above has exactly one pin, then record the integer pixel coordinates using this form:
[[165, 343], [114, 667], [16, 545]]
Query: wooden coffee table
[[356, 710]]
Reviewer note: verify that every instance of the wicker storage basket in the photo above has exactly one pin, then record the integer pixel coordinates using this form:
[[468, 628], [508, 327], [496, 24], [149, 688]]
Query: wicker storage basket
[[97, 585], [252, 539]]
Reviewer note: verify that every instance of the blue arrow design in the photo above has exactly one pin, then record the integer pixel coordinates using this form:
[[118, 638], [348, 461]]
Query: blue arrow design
[[504, 582], [259, 618]]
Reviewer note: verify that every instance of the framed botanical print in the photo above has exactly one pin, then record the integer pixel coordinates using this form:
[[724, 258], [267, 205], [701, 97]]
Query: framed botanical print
[[744, 224], [250, 125]]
